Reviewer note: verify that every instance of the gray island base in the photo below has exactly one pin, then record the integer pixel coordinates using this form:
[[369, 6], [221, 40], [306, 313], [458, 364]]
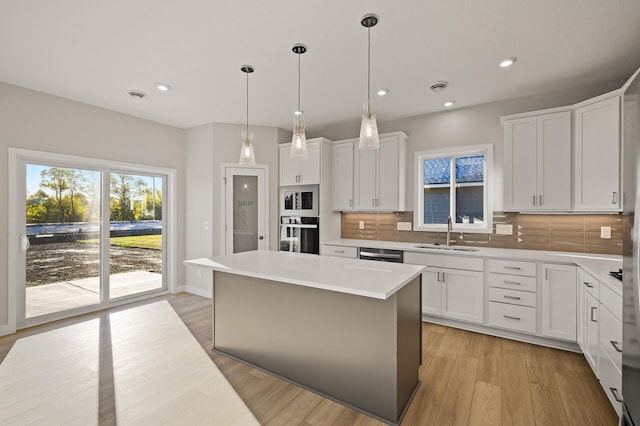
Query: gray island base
[[360, 350]]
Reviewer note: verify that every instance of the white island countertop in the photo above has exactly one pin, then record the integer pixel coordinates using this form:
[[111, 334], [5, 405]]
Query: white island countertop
[[378, 280]]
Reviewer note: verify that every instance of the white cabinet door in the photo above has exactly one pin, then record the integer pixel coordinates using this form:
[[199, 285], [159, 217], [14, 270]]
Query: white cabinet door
[[366, 178], [559, 293], [431, 291], [592, 343], [597, 156], [520, 153], [289, 168], [554, 161], [463, 296], [388, 174], [582, 308], [342, 179], [310, 167]]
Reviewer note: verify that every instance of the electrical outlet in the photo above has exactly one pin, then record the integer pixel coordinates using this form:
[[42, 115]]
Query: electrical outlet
[[403, 226], [361, 224], [605, 232], [504, 229]]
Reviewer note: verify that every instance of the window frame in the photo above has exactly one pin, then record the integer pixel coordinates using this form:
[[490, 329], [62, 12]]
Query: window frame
[[452, 153]]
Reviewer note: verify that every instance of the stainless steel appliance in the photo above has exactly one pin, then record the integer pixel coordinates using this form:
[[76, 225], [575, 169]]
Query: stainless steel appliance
[[300, 234], [631, 256], [382, 255], [299, 201]]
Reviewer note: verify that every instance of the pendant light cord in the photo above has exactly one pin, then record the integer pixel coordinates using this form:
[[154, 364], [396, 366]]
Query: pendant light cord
[[247, 104], [369, 67], [299, 110]]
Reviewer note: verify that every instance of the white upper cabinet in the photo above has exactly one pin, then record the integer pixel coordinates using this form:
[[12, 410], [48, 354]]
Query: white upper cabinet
[[538, 162], [597, 156], [379, 178], [300, 172], [342, 182]]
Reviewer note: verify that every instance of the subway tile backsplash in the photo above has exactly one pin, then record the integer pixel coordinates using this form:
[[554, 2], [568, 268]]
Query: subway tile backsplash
[[572, 233]]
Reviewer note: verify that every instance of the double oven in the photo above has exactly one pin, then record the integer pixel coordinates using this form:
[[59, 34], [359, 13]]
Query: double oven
[[299, 219]]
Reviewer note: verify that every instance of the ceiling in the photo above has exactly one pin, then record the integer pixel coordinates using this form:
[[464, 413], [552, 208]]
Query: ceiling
[[94, 51]]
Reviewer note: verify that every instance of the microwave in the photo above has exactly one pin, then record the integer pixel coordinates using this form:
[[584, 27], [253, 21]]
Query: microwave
[[299, 200]]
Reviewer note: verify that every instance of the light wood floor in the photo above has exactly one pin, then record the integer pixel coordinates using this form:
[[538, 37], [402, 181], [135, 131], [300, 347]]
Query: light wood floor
[[467, 378]]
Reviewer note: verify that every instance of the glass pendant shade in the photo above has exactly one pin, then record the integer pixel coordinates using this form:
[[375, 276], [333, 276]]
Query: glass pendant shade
[[369, 128], [247, 155], [299, 141]]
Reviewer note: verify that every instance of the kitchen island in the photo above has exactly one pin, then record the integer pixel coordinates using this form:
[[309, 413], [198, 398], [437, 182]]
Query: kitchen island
[[345, 328]]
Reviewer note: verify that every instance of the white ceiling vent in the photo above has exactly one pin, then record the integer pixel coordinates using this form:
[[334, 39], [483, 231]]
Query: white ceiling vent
[[137, 95], [439, 86]]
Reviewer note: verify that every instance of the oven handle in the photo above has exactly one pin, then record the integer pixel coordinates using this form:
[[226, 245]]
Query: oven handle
[[298, 225]]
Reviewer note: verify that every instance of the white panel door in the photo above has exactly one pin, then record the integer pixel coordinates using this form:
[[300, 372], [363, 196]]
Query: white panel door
[[366, 178], [592, 341], [597, 156], [310, 167], [520, 155], [559, 293], [554, 161], [289, 168], [431, 291], [388, 174], [342, 179], [463, 297]]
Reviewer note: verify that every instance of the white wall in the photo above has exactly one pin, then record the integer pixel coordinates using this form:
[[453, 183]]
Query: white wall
[[472, 125], [34, 120], [207, 147]]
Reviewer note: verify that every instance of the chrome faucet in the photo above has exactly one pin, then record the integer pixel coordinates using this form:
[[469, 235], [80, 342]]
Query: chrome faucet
[[449, 227]]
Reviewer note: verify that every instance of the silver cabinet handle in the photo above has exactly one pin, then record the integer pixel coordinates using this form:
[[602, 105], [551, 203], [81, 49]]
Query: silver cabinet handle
[[534, 199], [588, 284], [373, 202], [511, 297], [377, 202], [443, 277], [616, 346], [546, 274], [517, 268], [350, 202], [339, 251], [540, 200], [593, 308], [615, 394], [614, 198], [438, 276], [512, 282], [513, 318]]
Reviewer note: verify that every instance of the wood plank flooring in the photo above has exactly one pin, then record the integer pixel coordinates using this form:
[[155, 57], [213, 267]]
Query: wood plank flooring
[[467, 378]]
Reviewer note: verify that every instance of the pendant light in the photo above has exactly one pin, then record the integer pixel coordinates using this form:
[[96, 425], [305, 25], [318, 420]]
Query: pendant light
[[247, 155], [369, 128], [299, 139]]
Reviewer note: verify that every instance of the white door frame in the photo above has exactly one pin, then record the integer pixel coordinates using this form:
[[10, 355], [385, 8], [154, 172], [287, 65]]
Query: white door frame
[[223, 197], [16, 196]]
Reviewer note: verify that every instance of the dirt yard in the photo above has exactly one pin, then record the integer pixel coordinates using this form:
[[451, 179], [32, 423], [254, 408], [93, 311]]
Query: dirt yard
[[50, 263]]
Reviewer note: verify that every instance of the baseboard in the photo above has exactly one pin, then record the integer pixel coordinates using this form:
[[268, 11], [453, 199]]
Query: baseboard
[[6, 330], [506, 334], [199, 291]]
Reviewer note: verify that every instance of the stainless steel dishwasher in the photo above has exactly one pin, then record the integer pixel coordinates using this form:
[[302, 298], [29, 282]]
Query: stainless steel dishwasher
[[381, 255]]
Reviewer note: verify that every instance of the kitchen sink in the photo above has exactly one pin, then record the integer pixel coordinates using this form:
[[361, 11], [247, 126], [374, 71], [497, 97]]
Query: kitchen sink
[[439, 247]]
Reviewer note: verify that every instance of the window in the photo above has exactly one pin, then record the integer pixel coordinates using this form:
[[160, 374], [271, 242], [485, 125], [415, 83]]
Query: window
[[453, 184]]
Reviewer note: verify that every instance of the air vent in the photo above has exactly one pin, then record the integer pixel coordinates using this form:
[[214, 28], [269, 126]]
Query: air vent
[[439, 86], [137, 95]]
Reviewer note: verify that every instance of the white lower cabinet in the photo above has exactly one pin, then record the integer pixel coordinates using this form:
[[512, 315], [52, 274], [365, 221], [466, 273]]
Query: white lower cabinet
[[512, 317], [559, 302], [338, 251]]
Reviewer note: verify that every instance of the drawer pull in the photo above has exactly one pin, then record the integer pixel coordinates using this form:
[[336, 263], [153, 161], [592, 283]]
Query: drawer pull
[[513, 318], [588, 284], [512, 282], [511, 297], [616, 346], [615, 394], [513, 267], [339, 251], [593, 308]]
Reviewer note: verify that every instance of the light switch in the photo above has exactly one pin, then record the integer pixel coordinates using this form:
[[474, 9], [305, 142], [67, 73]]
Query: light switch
[[605, 232], [403, 226], [504, 229], [361, 225]]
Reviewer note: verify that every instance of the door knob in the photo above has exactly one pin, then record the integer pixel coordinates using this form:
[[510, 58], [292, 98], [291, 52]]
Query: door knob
[[261, 237]]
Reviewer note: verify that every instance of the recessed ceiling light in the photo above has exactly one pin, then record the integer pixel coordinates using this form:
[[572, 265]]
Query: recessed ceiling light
[[449, 104], [507, 62], [383, 92], [163, 87]]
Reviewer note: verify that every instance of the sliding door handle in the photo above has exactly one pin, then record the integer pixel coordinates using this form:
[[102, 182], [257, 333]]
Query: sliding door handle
[[24, 243]]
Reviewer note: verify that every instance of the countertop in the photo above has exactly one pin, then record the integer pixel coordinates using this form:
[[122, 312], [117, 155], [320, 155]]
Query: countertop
[[597, 265], [351, 276]]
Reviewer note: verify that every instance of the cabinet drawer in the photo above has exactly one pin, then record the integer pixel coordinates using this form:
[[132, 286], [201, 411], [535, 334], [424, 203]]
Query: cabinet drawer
[[445, 261], [514, 297], [611, 301], [513, 267], [611, 335], [611, 380], [513, 317], [591, 284], [515, 282], [341, 251]]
